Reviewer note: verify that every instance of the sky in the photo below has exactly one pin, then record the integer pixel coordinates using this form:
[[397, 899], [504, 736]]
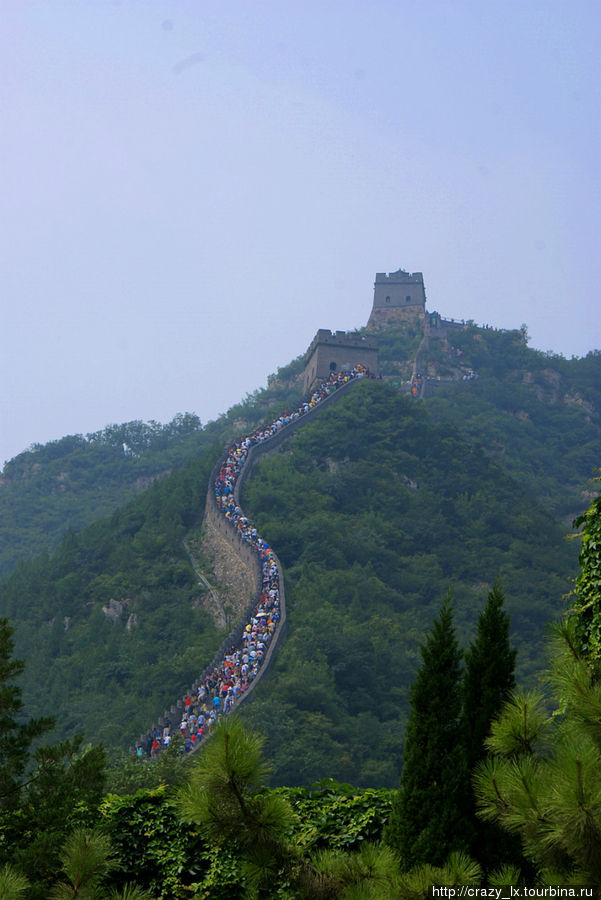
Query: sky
[[191, 188]]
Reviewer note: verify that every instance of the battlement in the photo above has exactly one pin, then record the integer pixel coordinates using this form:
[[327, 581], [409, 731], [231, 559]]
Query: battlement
[[400, 277], [341, 338], [337, 351]]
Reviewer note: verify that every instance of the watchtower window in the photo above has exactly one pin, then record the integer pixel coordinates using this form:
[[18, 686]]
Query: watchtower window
[[388, 299], [407, 299], [333, 367]]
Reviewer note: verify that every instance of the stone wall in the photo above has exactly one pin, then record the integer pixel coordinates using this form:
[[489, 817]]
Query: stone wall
[[267, 448], [215, 520], [390, 317]]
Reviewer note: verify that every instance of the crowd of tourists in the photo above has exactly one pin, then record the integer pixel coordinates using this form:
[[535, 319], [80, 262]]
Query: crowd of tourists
[[227, 683]]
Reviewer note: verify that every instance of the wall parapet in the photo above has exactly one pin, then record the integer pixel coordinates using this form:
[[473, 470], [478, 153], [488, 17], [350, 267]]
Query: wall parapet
[[249, 555]]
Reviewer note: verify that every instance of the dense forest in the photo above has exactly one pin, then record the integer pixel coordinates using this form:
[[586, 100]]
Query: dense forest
[[375, 510], [494, 791], [405, 528]]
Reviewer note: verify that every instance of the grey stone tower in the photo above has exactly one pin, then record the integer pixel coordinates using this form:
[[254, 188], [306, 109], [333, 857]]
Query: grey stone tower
[[336, 351], [398, 297]]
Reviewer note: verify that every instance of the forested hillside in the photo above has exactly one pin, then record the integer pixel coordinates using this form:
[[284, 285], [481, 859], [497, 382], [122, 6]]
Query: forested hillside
[[375, 510], [64, 485]]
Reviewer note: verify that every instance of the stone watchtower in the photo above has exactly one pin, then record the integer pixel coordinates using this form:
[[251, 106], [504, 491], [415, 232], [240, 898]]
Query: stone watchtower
[[398, 297], [336, 351]]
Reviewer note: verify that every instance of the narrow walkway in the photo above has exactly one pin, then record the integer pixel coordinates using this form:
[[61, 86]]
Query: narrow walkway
[[246, 653]]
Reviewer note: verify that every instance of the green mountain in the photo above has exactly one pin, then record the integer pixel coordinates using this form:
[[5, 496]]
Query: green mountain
[[62, 486], [374, 508]]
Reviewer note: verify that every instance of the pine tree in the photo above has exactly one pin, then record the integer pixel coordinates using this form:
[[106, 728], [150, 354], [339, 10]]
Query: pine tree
[[487, 684], [226, 797], [543, 779], [15, 737], [430, 815]]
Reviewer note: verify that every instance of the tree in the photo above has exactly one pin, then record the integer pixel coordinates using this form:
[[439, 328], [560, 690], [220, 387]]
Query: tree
[[543, 780], [586, 605], [87, 861], [12, 884], [43, 793], [226, 797], [15, 737], [487, 684], [489, 675], [429, 816], [64, 792]]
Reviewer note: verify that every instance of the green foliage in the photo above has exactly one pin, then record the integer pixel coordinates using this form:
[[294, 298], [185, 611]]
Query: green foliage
[[63, 792], [16, 736], [371, 872], [85, 862], [537, 414], [153, 847], [171, 859], [543, 780], [336, 816], [113, 614], [457, 870], [586, 604], [489, 675], [487, 684], [370, 533], [12, 884], [67, 484], [430, 814], [224, 797], [129, 773]]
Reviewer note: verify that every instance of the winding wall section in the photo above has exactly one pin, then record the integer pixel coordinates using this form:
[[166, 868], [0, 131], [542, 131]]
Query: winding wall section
[[216, 521]]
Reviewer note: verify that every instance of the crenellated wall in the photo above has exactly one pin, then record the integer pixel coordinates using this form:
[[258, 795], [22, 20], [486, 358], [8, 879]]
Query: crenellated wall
[[214, 519]]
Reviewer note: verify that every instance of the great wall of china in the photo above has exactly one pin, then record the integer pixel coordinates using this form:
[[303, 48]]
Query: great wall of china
[[398, 297], [221, 529]]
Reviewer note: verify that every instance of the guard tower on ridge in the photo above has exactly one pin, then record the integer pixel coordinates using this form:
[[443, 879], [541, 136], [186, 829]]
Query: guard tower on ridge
[[337, 351], [398, 297]]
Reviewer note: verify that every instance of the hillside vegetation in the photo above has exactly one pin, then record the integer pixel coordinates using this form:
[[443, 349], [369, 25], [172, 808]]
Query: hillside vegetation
[[375, 510], [62, 486]]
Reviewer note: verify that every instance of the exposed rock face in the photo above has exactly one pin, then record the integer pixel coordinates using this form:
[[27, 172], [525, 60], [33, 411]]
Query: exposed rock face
[[113, 610]]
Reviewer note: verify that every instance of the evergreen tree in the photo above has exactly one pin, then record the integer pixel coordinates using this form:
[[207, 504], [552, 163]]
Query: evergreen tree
[[429, 817], [487, 684], [225, 796], [489, 675], [15, 737], [543, 780]]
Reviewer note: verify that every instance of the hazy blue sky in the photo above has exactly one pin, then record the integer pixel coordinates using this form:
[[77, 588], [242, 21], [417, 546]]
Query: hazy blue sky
[[191, 188]]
